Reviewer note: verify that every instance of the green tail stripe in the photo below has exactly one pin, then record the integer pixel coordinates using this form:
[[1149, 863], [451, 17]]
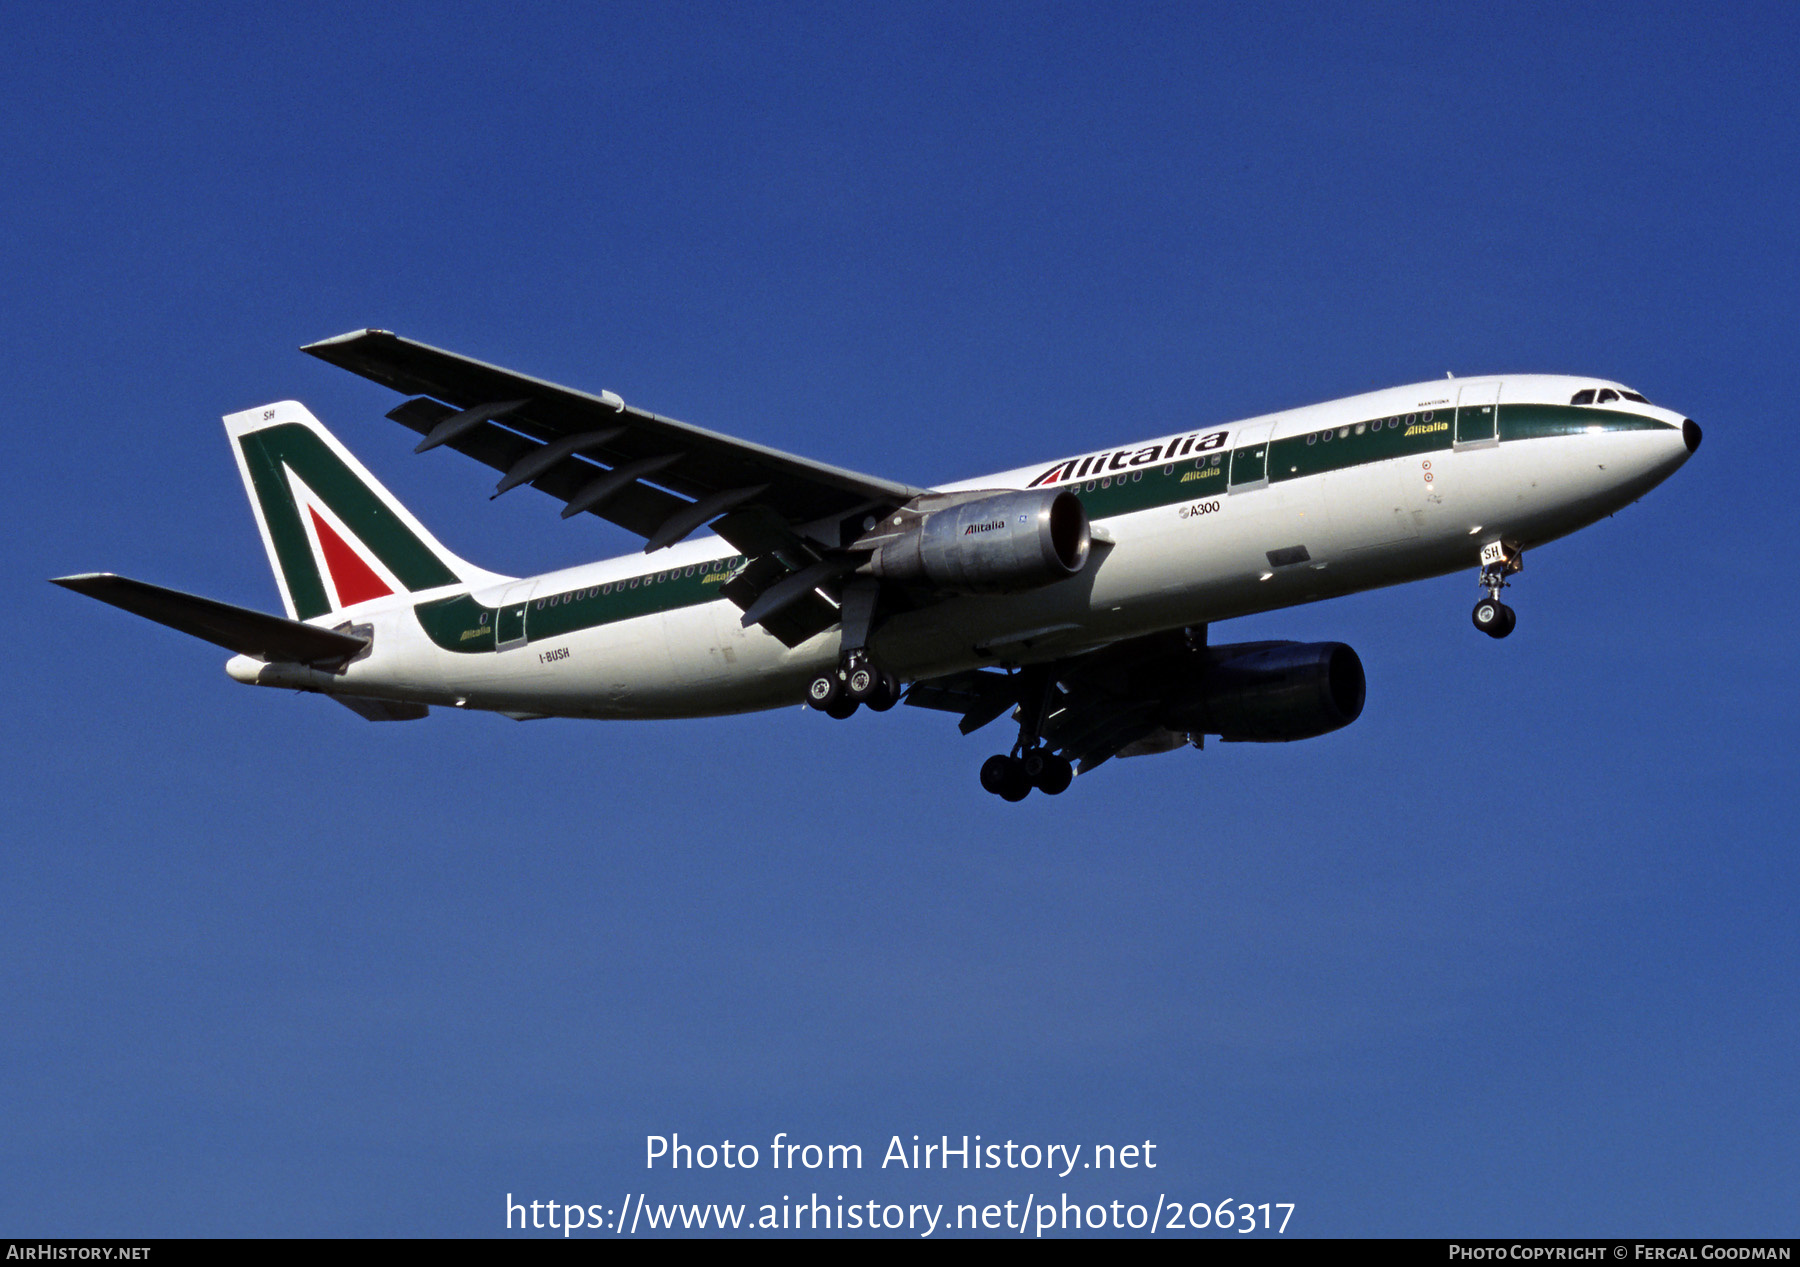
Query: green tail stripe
[[362, 511]]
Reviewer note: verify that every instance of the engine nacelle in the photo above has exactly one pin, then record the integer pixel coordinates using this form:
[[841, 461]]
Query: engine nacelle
[[997, 544], [1275, 693]]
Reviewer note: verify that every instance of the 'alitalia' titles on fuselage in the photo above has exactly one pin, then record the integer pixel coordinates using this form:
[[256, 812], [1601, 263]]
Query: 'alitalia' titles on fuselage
[[1110, 460]]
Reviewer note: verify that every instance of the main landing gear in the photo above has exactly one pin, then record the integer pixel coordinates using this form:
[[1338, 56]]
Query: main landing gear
[[1030, 764], [1011, 778], [1493, 617], [853, 683]]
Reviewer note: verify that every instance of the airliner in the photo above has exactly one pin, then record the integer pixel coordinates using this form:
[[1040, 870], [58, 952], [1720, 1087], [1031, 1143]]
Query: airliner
[[1074, 595]]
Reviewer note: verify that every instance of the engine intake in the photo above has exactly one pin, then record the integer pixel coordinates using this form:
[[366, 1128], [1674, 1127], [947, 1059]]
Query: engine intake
[[996, 544], [1275, 692]]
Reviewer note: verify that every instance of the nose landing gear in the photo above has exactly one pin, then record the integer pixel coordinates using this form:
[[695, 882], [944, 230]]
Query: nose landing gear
[[1498, 561]]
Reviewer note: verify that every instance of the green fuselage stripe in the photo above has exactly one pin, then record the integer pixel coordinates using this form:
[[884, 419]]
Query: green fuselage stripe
[[462, 624]]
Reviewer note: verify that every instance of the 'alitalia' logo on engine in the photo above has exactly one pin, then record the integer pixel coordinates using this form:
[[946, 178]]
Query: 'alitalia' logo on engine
[[989, 527]]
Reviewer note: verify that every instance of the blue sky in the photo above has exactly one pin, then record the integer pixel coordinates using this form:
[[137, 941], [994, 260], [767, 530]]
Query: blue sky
[[1512, 955]]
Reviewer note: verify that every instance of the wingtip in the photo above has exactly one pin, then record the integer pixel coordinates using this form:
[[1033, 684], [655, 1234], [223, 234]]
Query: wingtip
[[350, 337], [78, 579]]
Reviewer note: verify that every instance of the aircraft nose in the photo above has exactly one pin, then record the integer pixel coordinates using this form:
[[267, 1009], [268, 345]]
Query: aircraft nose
[[1690, 434]]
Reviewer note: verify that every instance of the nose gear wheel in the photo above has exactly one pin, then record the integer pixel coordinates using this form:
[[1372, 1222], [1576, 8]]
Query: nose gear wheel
[[1494, 618], [1498, 561]]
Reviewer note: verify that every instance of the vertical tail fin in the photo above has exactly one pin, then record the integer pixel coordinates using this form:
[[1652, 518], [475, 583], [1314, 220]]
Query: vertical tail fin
[[335, 536]]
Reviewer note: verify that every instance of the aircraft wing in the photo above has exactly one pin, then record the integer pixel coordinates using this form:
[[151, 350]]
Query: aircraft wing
[[651, 475], [463, 397]]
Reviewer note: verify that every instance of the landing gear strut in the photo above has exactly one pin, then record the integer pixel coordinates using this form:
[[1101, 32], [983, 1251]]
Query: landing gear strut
[[1031, 763], [1498, 561], [855, 681]]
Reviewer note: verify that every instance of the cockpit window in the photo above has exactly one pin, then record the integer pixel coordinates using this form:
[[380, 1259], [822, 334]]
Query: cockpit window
[[1586, 396]]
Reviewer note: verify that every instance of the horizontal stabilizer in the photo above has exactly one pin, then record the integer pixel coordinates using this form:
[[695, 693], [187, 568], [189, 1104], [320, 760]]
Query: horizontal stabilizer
[[251, 633]]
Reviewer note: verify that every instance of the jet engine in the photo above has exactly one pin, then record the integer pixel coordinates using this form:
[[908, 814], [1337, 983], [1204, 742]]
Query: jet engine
[[995, 544], [1273, 692]]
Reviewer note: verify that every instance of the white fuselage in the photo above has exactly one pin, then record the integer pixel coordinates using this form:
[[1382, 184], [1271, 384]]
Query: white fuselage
[[1178, 540]]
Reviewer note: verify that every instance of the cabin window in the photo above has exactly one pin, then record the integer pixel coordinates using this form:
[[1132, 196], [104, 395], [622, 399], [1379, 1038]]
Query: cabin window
[[1136, 476], [1360, 428], [1583, 397], [1313, 438], [1606, 394]]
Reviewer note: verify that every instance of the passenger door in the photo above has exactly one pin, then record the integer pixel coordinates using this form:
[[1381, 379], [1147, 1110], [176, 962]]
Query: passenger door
[[509, 621], [1250, 458], [1478, 417]]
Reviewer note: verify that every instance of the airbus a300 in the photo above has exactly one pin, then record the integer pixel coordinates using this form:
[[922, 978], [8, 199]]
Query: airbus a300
[[1074, 594]]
